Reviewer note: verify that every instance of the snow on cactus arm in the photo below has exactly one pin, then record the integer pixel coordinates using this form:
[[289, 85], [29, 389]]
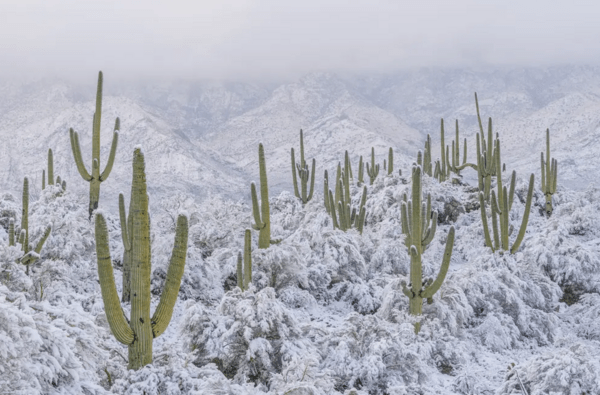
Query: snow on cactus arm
[[114, 313], [164, 311]]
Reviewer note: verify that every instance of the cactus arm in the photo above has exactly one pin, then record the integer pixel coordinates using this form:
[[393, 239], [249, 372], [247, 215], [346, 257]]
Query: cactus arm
[[239, 271], [50, 167], [361, 171], [505, 219], [486, 231], [390, 161], [523, 227], [11, 232], [478, 115], [312, 180], [43, 179], [247, 259], [114, 313], [511, 193], [333, 213], [75, 147], [255, 209], [40, 243], [430, 230], [294, 176], [111, 156], [435, 286], [326, 192], [495, 214], [123, 219], [443, 160], [164, 311]]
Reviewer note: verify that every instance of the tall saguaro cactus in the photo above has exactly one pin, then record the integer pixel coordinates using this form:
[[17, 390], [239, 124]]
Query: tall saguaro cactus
[[30, 254], [305, 192], [95, 177], [419, 230], [549, 175], [372, 170], [138, 333], [244, 266], [261, 213]]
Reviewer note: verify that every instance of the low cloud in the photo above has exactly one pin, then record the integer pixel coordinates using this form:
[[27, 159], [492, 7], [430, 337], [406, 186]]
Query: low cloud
[[245, 39]]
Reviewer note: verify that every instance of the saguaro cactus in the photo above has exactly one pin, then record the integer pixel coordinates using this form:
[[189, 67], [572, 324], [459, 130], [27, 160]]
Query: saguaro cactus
[[372, 170], [244, 267], [454, 163], [127, 237], [96, 177], [501, 204], [305, 192], [261, 213], [30, 254], [419, 231], [138, 333], [11, 232], [390, 164], [549, 175]]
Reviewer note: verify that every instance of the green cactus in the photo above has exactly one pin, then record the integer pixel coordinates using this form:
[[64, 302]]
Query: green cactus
[[372, 170], [96, 177], [390, 162], [261, 213], [453, 161], [501, 204], [443, 172], [127, 237], [485, 155], [549, 175], [11, 232], [427, 167], [30, 254], [304, 193], [138, 333], [419, 226], [342, 214], [361, 172], [244, 267], [50, 167]]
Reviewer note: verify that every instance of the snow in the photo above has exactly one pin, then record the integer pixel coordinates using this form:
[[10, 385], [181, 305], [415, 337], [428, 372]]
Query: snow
[[325, 313]]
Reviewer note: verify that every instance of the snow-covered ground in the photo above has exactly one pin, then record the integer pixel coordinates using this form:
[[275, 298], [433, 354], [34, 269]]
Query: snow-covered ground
[[326, 313]]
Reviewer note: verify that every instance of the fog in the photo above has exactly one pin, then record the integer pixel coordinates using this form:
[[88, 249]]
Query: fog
[[266, 40]]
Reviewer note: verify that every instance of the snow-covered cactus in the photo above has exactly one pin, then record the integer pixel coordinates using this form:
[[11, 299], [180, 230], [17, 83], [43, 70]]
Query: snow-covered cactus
[[50, 167], [244, 266], [305, 192], [30, 255], [486, 163], [127, 237], [11, 232], [361, 172], [261, 214], [501, 204], [372, 170], [390, 162], [339, 205], [549, 175], [419, 226], [500, 219], [138, 333], [96, 177], [427, 166], [453, 159]]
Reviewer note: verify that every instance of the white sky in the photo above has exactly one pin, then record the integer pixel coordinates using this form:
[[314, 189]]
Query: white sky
[[241, 39]]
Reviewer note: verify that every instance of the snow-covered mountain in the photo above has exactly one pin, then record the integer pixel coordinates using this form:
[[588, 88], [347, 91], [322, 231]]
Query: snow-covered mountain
[[326, 313]]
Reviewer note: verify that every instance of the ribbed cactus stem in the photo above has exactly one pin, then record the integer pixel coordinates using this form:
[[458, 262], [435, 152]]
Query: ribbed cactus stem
[[500, 210], [245, 270], [126, 237], [549, 175], [419, 226], [305, 192], [261, 212], [50, 167], [361, 171], [373, 169], [96, 177], [390, 165], [43, 179], [140, 331], [11, 232]]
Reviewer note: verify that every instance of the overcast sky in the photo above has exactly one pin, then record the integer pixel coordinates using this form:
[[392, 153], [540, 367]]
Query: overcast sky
[[281, 39]]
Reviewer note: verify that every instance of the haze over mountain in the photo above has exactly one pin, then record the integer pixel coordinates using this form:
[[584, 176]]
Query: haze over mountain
[[201, 138]]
